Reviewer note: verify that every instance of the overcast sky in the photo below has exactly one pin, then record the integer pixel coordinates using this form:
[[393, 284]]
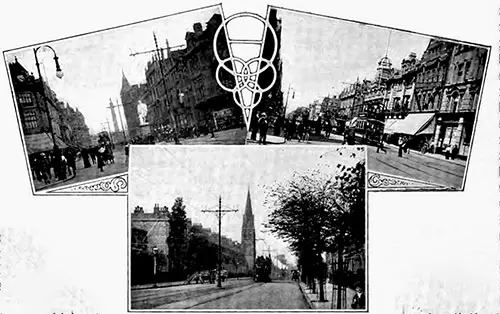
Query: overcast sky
[[93, 64], [320, 53], [200, 174]]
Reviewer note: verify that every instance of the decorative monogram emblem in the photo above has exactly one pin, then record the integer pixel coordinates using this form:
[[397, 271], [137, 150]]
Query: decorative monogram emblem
[[244, 67]]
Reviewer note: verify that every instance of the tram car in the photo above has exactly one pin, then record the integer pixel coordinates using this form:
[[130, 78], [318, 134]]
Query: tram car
[[263, 267]]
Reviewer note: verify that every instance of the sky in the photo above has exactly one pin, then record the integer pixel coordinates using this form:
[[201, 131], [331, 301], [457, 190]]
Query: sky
[[200, 174], [320, 53], [93, 63]]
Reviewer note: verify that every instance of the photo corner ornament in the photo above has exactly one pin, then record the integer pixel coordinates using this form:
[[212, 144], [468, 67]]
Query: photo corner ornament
[[245, 69]]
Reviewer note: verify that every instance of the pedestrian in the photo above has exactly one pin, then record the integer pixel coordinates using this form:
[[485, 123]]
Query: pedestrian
[[380, 146], [307, 133], [71, 157], [85, 157], [254, 126], [400, 147], [359, 300], [300, 131], [100, 157], [127, 148], [263, 125], [454, 152]]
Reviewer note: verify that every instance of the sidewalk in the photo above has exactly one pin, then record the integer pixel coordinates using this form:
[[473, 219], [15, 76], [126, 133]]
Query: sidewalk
[[312, 299], [158, 285], [435, 156], [272, 139]]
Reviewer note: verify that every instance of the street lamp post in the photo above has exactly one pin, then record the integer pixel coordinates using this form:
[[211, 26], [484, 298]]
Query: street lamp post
[[59, 74], [155, 252]]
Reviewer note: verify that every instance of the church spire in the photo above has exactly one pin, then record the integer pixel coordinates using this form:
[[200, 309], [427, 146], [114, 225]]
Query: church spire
[[125, 83], [248, 206], [248, 234]]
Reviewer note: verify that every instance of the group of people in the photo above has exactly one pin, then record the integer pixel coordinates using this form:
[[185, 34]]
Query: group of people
[[260, 125], [300, 130], [60, 164], [101, 154]]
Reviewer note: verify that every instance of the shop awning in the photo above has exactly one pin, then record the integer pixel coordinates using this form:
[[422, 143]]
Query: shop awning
[[388, 125], [352, 122], [413, 124], [41, 142]]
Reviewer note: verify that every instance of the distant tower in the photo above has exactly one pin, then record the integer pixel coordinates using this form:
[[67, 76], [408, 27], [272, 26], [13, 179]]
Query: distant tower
[[248, 234]]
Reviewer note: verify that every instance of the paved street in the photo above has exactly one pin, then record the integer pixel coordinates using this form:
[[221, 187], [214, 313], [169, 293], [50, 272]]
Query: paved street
[[271, 139], [184, 296], [225, 137], [235, 294], [417, 166], [85, 174], [273, 296]]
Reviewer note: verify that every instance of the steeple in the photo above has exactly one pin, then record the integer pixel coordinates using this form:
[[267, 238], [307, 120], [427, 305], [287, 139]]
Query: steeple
[[248, 206], [125, 83], [248, 234]]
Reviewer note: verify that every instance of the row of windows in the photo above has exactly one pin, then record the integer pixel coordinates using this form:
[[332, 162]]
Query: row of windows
[[30, 119]]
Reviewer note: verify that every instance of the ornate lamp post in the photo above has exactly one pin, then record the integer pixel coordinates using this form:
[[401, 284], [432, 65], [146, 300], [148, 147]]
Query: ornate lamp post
[[59, 74]]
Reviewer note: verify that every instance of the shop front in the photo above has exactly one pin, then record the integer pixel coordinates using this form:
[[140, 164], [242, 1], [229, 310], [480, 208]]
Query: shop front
[[454, 131]]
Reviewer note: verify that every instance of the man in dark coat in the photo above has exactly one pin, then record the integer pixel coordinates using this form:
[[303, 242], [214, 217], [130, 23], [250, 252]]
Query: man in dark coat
[[85, 157], [359, 300], [263, 125]]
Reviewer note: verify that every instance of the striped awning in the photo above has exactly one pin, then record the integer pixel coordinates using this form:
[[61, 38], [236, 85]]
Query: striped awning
[[412, 124], [41, 142]]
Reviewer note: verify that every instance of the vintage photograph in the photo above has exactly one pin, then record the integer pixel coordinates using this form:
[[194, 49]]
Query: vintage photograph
[[247, 227], [411, 98], [82, 101]]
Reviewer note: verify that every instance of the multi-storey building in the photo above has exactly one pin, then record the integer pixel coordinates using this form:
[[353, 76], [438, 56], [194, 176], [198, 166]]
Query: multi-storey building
[[43, 115], [181, 85], [156, 228], [460, 98]]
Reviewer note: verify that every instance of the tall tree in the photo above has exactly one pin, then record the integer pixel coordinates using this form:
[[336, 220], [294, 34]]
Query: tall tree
[[177, 238], [319, 211]]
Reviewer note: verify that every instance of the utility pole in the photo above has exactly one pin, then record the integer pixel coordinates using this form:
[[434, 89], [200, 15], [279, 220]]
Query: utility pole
[[121, 121], [159, 52], [109, 130], [219, 213]]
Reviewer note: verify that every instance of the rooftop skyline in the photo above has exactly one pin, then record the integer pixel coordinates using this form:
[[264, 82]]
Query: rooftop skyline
[[92, 64], [321, 54], [200, 174]]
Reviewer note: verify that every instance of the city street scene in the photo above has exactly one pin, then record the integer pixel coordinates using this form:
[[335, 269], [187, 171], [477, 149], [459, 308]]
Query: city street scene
[[412, 98], [81, 102], [247, 227]]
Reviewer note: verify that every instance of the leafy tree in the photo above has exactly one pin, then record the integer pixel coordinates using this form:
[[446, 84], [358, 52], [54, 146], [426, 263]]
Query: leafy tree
[[177, 238], [320, 211]]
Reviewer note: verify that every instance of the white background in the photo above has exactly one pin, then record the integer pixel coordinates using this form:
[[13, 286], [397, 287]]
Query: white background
[[69, 253]]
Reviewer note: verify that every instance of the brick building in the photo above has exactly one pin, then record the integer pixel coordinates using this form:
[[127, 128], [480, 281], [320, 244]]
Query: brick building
[[188, 94], [67, 124], [460, 98]]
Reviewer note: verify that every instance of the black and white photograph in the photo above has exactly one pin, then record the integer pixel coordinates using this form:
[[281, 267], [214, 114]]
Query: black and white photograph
[[82, 101], [411, 98], [247, 227]]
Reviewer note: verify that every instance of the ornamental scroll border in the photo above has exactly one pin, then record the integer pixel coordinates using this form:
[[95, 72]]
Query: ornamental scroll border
[[114, 185]]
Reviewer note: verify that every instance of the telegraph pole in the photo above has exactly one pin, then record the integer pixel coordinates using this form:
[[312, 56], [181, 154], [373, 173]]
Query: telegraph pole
[[121, 121], [219, 212], [159, 52], [109, 130]]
